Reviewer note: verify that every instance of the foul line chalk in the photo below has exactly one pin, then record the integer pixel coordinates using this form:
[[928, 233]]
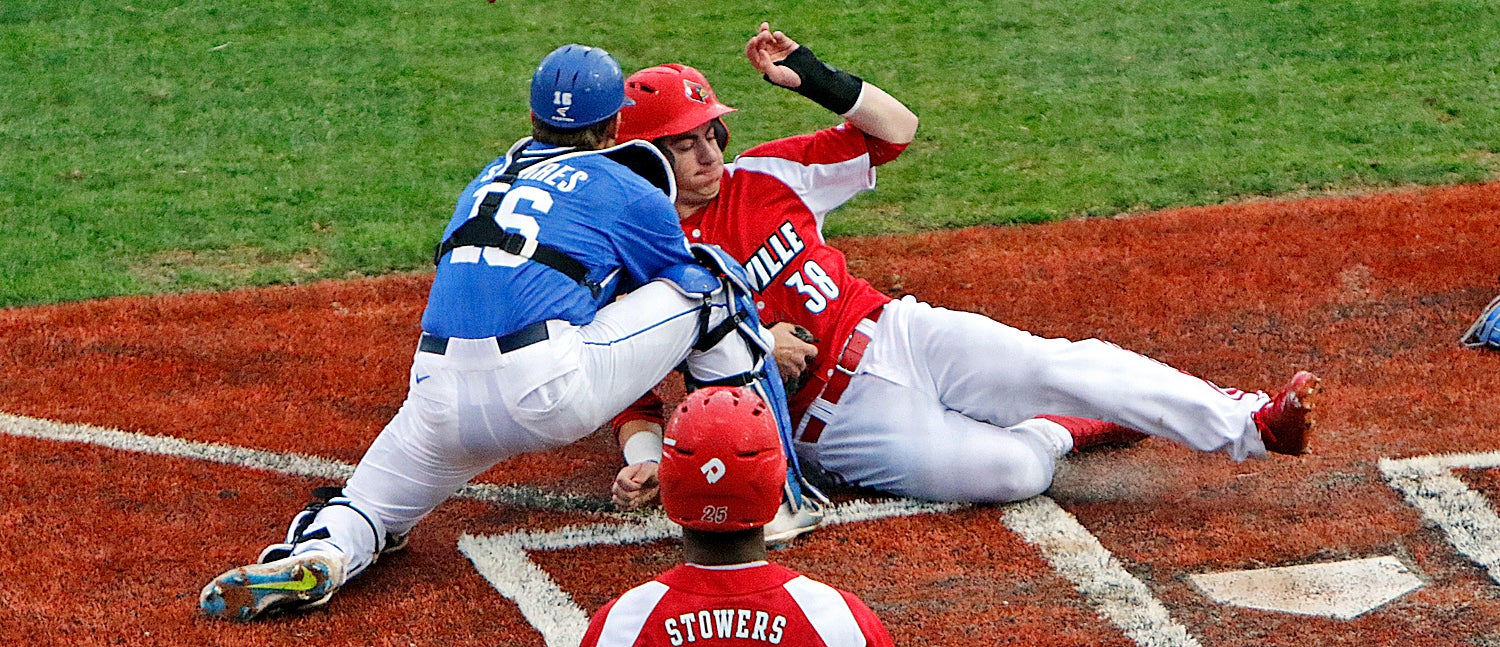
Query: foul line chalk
[[293, 464], [1079, 557], [1463, 514], [503, 560]]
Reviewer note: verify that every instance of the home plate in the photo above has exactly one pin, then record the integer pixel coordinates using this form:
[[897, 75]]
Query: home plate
[[1341, 590]]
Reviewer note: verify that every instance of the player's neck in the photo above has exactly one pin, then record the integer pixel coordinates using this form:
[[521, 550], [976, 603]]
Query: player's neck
[[723, 548], [686, 210]]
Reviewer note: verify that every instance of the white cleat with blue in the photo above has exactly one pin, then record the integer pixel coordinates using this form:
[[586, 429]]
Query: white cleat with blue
[[298, 582]]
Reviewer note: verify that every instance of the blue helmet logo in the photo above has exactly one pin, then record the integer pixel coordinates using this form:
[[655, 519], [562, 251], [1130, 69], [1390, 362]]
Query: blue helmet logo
[[577, 86], [1486, 329]]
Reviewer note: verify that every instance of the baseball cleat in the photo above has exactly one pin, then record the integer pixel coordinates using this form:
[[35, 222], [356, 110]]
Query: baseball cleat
[[789, 523], [298, 582], [1286, 422], [1089, 433]]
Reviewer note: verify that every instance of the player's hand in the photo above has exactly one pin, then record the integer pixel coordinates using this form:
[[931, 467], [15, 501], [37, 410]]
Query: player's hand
[[794, 355], [765, 48], [636, 486]]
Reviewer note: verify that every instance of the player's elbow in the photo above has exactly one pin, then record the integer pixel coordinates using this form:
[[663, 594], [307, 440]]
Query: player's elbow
[[908, 127]]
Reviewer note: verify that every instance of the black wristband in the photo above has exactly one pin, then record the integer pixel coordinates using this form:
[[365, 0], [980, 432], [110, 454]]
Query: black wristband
[[826, 85]]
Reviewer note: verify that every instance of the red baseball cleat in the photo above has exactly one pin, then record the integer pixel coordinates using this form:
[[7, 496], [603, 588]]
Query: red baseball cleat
[[1088, 433], [1286, 422]]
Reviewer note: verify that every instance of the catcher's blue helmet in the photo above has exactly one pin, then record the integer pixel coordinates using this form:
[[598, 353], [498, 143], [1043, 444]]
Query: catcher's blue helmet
[[577, 86], [1486, 329]]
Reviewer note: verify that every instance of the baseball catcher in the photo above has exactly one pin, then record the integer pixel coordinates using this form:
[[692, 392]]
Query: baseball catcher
[[519, 351]]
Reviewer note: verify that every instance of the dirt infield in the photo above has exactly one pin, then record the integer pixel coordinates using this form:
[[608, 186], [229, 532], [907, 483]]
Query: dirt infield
[[112, 528]]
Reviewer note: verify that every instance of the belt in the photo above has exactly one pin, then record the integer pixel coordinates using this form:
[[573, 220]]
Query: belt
[[849, 358], [515, 341]]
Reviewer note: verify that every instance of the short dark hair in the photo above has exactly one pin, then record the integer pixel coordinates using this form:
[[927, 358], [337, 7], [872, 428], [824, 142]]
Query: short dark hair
[[590, 137]]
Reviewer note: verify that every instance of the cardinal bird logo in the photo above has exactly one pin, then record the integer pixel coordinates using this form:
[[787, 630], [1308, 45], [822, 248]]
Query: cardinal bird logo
[[695, 91]]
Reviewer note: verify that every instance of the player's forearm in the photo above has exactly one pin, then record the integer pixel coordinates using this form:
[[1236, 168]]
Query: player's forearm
[[864, 105], [882, 116], [640, 441]]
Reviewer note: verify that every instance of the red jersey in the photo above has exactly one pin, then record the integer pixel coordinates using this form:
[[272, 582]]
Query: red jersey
[[769, 216], [746, 604]]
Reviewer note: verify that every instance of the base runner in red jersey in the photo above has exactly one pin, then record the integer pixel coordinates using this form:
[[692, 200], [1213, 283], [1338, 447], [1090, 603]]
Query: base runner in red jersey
[[899, 395]]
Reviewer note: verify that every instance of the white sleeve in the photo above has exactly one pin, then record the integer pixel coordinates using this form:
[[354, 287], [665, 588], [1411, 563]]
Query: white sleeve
[[822, 187], [827, 612], [626, 619]]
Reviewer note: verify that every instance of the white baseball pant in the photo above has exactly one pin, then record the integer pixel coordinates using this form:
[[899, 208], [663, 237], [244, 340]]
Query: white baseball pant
[[473, 406], [942, 406]]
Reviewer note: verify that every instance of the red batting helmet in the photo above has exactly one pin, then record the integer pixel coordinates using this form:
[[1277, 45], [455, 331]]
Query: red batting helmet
[[722, 469], [670, 100]]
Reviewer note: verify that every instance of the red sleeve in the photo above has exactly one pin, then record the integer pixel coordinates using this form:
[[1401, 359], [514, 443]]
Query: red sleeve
[[596, 625], [882, 151], [874, 630], [648, 407], [829, 146]]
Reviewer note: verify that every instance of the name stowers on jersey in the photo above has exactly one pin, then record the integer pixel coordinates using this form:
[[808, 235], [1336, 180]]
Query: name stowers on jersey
[[745, 624], [744, 604]]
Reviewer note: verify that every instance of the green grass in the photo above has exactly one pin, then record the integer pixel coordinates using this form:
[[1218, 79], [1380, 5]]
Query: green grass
[[168, 146]]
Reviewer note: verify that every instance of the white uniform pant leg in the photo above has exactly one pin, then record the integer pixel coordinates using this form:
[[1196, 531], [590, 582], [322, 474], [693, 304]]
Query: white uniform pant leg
[[639, 339], [452, 426], [902, 440], [995, 373], [474, 407]]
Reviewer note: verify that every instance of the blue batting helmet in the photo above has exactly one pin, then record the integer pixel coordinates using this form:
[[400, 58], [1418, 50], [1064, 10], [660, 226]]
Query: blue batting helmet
[[577, 86], [1486, 329]]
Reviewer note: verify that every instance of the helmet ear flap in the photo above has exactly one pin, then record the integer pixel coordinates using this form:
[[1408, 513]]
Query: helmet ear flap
[[721, 133]]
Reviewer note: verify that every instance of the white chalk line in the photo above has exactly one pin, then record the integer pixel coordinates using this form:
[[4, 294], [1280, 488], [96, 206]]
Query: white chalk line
[[1465, 516], [503, 559], [1077, 555], [1072, 551], [284, 463]]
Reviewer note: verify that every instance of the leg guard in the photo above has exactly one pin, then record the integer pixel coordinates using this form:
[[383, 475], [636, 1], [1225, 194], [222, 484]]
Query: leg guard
[[328, 542], [332, 521], [707, 365]]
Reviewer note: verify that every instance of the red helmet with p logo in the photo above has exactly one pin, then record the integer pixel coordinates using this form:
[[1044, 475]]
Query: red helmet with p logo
[[722, 469]]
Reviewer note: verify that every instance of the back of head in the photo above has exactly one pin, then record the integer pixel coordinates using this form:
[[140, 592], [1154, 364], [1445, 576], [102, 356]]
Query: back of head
[[722, 468], [576, 87], [669, 100]]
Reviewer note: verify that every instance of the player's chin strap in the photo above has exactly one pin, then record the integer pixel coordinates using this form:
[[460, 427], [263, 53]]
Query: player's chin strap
[[765, 379]]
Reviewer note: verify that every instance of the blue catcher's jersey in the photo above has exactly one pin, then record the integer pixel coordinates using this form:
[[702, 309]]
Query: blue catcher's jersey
[[618, 225]]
